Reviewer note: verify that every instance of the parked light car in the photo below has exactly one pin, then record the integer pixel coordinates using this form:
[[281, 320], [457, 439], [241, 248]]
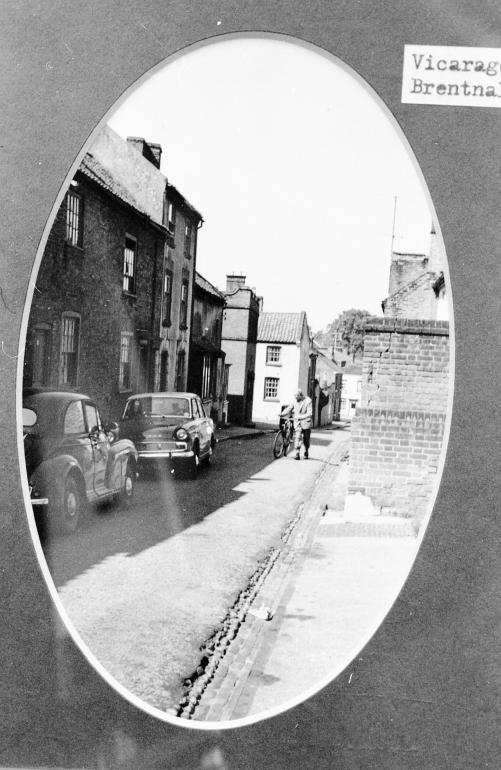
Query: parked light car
[[72, 459], [169, 427]]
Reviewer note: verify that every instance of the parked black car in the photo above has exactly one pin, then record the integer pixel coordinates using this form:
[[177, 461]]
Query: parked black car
[[72, 459], [169, 427]]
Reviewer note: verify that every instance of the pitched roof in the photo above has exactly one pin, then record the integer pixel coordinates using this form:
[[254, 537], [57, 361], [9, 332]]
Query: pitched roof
[[280, 327], [98, 173], [206, 286]]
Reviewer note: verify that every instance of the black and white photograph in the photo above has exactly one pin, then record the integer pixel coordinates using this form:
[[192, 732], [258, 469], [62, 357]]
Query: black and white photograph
[[248, 307], [232, 450]]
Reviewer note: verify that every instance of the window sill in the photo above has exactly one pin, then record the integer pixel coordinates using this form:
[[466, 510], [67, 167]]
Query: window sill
[[273, 363], [273, 400], [130, 294]]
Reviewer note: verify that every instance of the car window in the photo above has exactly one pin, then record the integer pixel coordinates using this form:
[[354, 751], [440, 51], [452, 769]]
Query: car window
[[92, 415], [201, 408], [194, 408], [74, 419], [157, 406]]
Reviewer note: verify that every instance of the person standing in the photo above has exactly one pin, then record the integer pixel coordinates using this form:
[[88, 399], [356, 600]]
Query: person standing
[[301, 411]]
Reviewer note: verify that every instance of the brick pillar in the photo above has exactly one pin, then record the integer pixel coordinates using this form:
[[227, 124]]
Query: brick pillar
[[397, 432]]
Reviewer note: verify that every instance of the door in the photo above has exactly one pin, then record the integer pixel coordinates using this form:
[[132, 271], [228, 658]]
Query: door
[[76, 441], [204, 435]]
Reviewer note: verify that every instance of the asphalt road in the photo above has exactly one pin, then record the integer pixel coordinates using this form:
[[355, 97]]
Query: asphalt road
[[163, 507], [143, 588]]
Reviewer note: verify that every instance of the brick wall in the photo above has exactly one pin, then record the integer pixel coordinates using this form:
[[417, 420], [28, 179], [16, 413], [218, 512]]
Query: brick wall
[[398, 429], [87, 281], [394, 458]]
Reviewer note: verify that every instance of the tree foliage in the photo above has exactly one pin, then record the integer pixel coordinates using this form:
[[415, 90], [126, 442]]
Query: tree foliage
[[346, 332]]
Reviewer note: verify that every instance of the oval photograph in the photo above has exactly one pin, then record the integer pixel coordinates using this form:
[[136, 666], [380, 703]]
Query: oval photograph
[[236, 381]]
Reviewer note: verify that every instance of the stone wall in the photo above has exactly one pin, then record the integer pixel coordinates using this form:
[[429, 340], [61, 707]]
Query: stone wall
[[398, 429]]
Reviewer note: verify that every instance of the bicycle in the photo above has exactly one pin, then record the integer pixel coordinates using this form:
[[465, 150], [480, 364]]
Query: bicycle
[[283, 437]]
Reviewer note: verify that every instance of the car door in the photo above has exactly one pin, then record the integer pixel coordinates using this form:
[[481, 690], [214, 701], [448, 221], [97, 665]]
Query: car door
[[75, 441], [100, 448], [204, 432]]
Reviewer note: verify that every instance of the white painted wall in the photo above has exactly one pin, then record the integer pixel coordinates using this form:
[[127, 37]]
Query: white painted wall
[[350, 393], [288, 372]]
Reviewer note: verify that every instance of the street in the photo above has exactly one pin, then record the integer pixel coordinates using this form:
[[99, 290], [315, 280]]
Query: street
[[145, 587]]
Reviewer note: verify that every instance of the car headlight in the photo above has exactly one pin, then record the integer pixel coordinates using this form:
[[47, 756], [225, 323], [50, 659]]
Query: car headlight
[[181, 434]]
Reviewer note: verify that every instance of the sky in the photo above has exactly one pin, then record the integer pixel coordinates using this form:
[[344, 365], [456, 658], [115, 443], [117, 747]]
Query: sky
[[294, 164]]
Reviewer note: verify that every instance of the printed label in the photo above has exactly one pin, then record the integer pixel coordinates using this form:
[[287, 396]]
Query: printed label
[[454, 75]]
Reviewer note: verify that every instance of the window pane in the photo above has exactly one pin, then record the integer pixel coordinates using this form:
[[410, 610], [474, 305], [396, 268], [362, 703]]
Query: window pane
[[69, 350], [74, 419], [271, 387], [129, 265], [125, 361], [92, 416], [73, 219], [273, 354]]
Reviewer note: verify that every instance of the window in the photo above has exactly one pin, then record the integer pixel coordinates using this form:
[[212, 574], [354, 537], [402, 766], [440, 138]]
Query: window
[[171, 217], [74, 219], [92, 415], [271, 388], [183, 314], [206, 376], [68, 364], [74, 419], [188, 237], [167, 297], [39, 353], [129, 269], [124, 380], [273, 354], [181, 360]]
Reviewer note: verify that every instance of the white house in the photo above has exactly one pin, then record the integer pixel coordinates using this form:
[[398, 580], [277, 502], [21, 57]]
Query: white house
[[282, 363], [351, 390]]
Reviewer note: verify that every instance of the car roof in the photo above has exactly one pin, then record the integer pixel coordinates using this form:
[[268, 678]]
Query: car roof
[[162, 394], [53, 395]]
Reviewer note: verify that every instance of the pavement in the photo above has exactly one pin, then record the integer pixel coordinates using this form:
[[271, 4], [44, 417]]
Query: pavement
[[321, 603], [235, 432]]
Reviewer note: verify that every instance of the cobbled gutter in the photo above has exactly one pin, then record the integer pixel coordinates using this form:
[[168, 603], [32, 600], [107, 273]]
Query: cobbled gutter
[[215, 648]]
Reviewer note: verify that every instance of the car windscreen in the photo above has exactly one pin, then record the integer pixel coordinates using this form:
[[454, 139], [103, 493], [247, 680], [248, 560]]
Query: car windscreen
[[157, 406]]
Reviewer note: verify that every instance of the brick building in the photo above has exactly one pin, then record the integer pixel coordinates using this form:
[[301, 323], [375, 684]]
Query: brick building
[[112, 306], [239, 337], [398, 428], [207, 371]]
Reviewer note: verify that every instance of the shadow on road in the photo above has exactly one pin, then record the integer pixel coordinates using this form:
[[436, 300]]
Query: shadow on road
[[163, 507]]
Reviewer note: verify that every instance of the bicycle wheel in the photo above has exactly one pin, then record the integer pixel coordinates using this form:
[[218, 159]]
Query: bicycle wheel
[[278, 445], [287, 443]]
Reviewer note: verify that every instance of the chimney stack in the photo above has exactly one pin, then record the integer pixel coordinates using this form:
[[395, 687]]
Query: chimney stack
[[234, 282], [151, 151]]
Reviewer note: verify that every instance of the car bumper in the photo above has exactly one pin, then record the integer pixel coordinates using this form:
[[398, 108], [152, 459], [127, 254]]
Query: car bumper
[[168, 454], [36, 501]]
